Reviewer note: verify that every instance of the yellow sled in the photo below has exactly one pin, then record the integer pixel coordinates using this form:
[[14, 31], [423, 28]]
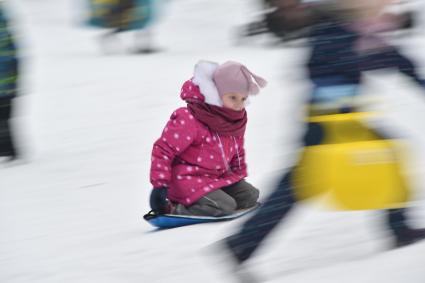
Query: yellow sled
[[353, 167]]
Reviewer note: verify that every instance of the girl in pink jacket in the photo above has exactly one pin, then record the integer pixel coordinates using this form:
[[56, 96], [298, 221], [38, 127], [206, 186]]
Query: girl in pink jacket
[[198, 164]]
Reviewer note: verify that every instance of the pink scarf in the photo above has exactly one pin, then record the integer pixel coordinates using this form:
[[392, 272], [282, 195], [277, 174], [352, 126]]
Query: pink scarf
[[226, 122]]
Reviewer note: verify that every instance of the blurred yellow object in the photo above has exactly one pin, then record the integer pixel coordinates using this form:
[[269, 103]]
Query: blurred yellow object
[[355, 168]]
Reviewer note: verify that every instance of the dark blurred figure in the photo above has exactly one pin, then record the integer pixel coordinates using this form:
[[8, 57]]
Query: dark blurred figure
[[293, 19], [122, 16], [286, 19], [345, 42], [8, 86]]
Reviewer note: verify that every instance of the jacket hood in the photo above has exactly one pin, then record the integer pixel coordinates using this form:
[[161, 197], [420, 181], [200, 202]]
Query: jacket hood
[[202, 87], [191, 92]]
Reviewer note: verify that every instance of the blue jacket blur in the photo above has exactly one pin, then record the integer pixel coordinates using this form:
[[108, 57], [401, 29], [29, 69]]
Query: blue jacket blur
[[123, 15], [8, 60], [334, 61]]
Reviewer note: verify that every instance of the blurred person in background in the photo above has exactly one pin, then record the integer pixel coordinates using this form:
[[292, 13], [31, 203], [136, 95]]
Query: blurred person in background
[[198, 164], [121, 16], [9, 73], [345, 42], [293, 19], [286, 19]]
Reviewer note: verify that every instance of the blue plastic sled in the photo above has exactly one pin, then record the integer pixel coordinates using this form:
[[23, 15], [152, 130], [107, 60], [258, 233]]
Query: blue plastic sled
[[172, 221]]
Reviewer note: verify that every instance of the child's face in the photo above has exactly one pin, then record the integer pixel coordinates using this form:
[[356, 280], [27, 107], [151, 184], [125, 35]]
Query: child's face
[[234, 101]]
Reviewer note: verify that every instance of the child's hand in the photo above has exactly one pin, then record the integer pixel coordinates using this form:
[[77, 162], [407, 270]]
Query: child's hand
[[158, 200]]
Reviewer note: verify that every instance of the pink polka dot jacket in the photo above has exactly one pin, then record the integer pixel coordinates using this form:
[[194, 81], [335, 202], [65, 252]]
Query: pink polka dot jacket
[[191, 160]]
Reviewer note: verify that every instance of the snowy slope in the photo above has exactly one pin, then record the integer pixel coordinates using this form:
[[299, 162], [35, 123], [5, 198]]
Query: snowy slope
[[73, 212]]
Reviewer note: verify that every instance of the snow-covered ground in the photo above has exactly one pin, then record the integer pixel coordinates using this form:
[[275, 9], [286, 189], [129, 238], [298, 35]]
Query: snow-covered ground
[[73, 212]]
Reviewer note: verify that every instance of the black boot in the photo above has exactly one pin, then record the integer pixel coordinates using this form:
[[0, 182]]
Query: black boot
[[408, 236], [403, 233]]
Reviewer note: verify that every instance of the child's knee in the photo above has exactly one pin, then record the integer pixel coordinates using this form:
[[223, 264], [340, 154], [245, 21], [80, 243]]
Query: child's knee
[[217, 203], [248, 195], [252, 197], [228, 206]]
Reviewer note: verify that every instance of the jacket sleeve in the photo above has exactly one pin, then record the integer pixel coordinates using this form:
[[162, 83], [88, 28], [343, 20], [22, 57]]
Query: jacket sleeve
[[8, 61], [238, 164], [177, 136]]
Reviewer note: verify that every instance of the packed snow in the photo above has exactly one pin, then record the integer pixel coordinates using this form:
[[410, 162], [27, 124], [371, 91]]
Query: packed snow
[[72, 211]]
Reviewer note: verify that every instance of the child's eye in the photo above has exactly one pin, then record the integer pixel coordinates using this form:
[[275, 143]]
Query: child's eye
[[233, 97], [243, 99]]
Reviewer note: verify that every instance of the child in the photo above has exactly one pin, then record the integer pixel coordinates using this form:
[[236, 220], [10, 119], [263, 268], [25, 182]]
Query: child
[[199, 161], [344, 45]]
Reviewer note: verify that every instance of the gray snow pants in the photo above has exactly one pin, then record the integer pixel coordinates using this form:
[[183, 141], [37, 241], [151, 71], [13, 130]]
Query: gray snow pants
[[224, 201]]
